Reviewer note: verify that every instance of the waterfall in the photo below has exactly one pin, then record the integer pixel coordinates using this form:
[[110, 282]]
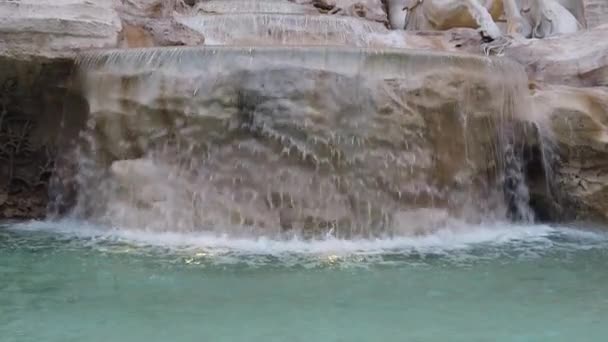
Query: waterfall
[[299, 141], [284, 29]]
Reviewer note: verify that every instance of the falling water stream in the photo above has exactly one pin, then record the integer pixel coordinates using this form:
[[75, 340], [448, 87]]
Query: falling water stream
[[306, 141]]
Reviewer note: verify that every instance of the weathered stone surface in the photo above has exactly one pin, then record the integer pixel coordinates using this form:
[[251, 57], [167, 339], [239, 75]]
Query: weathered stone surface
[[258, 6], [282, 29], [154, 8], [569, 75], [579, 59], [576, 7], [141, 32], [34, 96], [368, 9], [595, 12], [148, 23], [574, 123], [464, 40], [296, 139], [38, 43], [40, 27], [40, 38]]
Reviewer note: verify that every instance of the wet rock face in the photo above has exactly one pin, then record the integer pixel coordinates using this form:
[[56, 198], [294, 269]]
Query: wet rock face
[[298, 147], [368, 9], [37, 45], [574, 122], [148, 23], [255, 29], [595, 12], [568, 77], [394, 133], [34, 97]]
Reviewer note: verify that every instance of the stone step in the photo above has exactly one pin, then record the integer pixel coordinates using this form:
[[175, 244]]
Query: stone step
[[283, 29], [376, 63], [58, 25], [258, 6]]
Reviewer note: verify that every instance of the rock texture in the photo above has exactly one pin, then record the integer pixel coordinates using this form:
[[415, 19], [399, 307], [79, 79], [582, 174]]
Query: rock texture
[[283, 29], [569, 79], [577, 60], [299, 138], [595, 12], [567, 76], [368, 9], [39, 26], [574, 125], [34, 95], [151, 23], [38, 42]]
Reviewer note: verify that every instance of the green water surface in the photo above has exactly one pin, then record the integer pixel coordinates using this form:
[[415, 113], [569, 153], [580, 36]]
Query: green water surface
[[510, 284]]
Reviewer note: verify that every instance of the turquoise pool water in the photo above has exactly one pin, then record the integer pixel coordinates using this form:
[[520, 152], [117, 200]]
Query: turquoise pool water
[[70, 282]]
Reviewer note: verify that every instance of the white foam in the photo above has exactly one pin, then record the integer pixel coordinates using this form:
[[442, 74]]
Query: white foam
[[444, 241]]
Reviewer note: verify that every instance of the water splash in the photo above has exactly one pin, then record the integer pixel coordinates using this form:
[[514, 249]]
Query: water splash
[[459, 244]]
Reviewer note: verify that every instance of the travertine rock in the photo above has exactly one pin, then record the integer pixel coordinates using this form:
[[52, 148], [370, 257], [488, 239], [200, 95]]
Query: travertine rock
[[595, 12], [43, 27], [148, 23], [368, 9], [579, 59], [574, 123], [297, 138], [390, 117]]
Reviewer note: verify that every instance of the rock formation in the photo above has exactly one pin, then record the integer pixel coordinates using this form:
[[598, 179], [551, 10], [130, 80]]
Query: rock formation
[[595, 12], [43, 107], [38, 43], [569, 80], [338, 137]]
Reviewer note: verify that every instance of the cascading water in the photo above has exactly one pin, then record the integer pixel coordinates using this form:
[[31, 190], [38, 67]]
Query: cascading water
[[248, 6], [283, 29], [299, 141]]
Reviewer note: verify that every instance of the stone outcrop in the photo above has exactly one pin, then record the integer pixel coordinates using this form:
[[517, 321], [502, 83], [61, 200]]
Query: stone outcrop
[[58, 26], [151, 23], [38, 42], [579, 59], [368, 9], [595, 12], [300, 138], [569, 80], [574, 126]]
